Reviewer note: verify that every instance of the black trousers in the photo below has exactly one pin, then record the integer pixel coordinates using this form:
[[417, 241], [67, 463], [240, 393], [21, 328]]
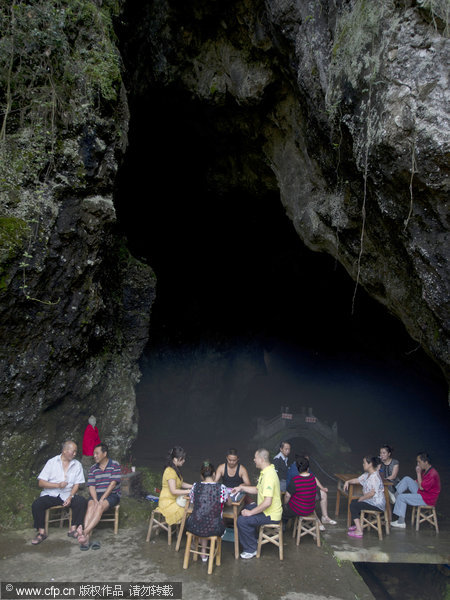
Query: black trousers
[[40, 505], [288, 513], [356, 507]]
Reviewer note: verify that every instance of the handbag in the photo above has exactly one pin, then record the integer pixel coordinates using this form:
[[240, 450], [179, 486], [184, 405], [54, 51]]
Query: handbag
[[181, 501]]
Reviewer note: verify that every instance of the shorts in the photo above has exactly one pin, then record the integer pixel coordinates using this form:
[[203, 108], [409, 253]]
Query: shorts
[[113, 500]]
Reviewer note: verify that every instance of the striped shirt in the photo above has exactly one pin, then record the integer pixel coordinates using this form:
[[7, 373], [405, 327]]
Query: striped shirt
[[101, 478], [303, 494]]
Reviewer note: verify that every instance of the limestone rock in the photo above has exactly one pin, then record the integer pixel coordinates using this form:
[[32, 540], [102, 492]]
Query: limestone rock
[[74, 304]]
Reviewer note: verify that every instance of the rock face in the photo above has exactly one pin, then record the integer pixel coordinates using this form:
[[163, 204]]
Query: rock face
[[74, 304], [345, 102]]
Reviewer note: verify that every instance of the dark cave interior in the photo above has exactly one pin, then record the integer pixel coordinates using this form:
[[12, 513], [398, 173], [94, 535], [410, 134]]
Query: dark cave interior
[[229, 263]]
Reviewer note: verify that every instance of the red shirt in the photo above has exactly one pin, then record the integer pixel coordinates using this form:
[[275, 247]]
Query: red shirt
[[303, 494], [431, 485], [90, 440]]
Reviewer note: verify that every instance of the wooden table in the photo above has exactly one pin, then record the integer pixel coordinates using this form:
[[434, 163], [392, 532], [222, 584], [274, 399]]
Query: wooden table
[[354, 491], [230, 511]]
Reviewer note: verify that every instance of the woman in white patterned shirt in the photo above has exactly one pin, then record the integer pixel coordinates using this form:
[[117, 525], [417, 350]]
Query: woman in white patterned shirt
[[373, 494]]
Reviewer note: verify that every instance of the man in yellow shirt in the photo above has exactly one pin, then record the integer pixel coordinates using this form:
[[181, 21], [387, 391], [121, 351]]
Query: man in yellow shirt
[[268, 508]]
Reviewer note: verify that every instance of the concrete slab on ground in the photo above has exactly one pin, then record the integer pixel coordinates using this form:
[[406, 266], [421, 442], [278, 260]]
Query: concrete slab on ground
[[306, 573], [400, 546]]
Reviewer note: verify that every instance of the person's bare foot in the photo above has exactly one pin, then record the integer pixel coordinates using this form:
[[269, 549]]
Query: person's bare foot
[[83, 539]]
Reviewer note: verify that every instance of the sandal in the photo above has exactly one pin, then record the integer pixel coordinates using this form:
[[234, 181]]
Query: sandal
[[95, 546], [354, 534], [39, 538], [329, 521], [352, 528], [73, 534]]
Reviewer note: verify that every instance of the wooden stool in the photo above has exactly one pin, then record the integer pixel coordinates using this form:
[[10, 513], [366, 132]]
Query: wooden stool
[[66, 513], [213, 550], [308, 525], [375, 519], [271, 533], [112, 515], [425, 513], [159, 523]]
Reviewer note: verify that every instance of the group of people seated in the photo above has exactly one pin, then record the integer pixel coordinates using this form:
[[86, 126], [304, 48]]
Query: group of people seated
[[423, 491], [295, 483], [60, 480], [282, 492]]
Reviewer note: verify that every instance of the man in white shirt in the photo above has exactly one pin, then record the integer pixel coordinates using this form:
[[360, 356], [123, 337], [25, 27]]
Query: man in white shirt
[[59, 480]]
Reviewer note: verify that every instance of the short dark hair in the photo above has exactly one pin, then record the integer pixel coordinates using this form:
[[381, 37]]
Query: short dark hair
[[283, 443], [302, 464], [103, 446], [232, 452], [425, 457], [207, 469], [388, 448]]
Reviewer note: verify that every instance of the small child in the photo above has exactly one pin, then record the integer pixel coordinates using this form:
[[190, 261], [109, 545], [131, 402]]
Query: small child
[[207, 498]]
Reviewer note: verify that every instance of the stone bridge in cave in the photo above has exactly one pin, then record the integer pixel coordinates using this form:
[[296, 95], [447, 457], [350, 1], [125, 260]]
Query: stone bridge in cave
[[304, 424]]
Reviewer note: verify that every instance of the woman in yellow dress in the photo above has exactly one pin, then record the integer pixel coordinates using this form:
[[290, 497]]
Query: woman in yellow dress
[[173, 486]]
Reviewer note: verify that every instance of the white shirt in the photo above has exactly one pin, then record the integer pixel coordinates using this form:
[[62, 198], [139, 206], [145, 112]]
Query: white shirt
[[373, 482], [53, 472], [282, 456]]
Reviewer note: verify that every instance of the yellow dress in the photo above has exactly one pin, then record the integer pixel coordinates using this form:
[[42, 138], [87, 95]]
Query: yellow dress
[[172, 511]]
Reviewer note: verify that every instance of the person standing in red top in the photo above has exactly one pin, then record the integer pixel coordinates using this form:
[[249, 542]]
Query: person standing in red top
[[425, 490], [300, 497], [91, 437]]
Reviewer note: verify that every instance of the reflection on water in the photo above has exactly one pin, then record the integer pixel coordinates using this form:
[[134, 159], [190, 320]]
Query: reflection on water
[[207, 399]]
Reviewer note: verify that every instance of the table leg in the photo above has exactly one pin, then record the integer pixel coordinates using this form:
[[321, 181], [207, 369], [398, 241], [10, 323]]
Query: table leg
[[350, 498], [338, 500], [180, 533], [236, 533], [388, 502]]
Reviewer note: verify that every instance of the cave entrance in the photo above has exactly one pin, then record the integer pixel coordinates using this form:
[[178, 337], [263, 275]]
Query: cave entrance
[[247, 319]]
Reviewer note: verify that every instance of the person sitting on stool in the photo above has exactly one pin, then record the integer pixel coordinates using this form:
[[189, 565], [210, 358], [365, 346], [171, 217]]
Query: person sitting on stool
[[268, 509], [425, 490], [104, 488], [60, 479]]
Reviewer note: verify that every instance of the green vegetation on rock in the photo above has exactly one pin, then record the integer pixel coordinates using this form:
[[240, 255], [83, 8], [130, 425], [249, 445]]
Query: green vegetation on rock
[[58, 62], [15, 502], [13, 235]]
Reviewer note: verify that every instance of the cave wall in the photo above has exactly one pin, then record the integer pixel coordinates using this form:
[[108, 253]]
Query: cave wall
[[74, 304], [344, 102]]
